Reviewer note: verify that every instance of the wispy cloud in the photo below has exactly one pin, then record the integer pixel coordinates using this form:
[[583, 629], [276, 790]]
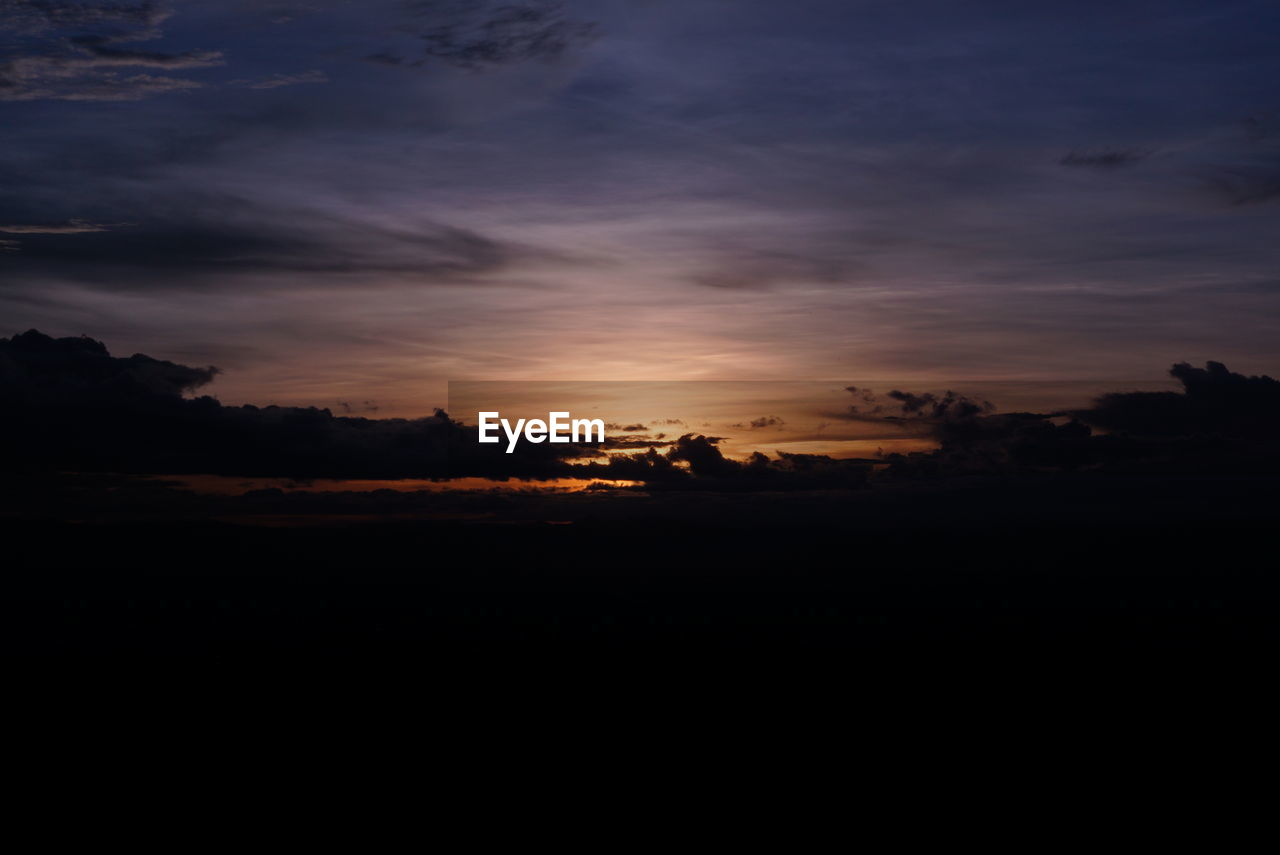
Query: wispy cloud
[[72, 227], [70, 51], [1106, 158], [483, 35], [275, 81]]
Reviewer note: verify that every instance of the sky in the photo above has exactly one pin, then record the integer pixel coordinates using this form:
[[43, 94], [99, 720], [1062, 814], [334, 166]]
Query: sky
[[357, 202]]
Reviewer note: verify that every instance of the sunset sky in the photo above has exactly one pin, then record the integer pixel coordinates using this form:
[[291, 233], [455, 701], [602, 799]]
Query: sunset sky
[[360, 201]]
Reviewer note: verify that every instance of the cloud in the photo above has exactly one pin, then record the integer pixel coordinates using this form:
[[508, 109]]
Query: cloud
[[70, 51], [1106, 158], [479, 36], [913, 210], [1221, 421], [102, 54], [71, 227], [761, 423], [17, 84], [276, 81], [30, 17], [613, 443], [1214, 402], [1247, 181], [200, 244], [48, 369], [72, 406], [750, 269], [695, 462], [899, 406], [384, 58]]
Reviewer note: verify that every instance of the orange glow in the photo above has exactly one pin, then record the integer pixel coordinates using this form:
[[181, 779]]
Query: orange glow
[[224, 485]]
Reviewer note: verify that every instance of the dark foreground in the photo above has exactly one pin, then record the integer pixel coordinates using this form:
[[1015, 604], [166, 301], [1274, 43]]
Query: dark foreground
[[1097, 575]]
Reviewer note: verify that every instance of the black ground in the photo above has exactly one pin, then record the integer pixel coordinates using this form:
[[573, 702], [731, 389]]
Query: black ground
[[1088, 571]]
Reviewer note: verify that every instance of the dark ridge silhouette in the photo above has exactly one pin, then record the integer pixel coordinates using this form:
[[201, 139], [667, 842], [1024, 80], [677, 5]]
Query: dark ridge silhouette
[[1129, 529], [72, 406]]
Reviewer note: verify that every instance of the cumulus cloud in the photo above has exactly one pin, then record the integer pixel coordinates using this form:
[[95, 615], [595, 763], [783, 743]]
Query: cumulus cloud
[[1220, 421], [1214, 401]]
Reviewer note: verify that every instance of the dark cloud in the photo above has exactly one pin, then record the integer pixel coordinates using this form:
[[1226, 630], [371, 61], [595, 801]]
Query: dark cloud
[[949, 405], [761, 423], [619, 437], [927, 408], [73, 227], [695, 462], [1214, 402], [383, 58], [45, 369], [31, 17], [1220, 421], [71, 51], [198, 246], [1106, 158], [276, 81], [613, 443], [1249, 181], [104, 55], [38, 80], [478, 36], [482, 35], [746, 269], [69, 405]]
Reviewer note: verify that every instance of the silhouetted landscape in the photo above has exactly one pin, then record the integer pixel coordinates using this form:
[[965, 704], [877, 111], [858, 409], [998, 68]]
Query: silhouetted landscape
[[925, 335], [1140, 524]]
